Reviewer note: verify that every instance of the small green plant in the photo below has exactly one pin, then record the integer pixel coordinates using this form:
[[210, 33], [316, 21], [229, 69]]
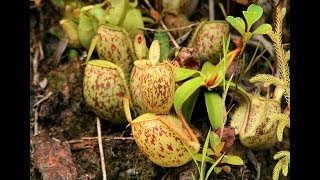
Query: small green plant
[[252, 15], [212, 153], [209, 78]]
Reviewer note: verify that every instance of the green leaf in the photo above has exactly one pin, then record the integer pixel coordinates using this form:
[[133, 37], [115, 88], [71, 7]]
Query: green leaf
[[263, 29], [187, 107], [233, 160], [204, 152], [214, 106], [217, 74], [214, 139], [183, 73], [218, 81], [163, 39], [217, 170], [253, 13], [207, 67], [198, 157], [205, 147], [210, 152], [185, 90], [237, 23]]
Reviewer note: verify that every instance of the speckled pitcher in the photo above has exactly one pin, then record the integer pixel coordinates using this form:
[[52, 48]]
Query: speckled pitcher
[[207, 39]]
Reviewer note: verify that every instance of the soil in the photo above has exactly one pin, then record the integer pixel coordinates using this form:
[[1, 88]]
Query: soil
[[63, 129]]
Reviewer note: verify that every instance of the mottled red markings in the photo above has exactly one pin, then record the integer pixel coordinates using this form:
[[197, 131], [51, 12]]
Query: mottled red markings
[[153, 139], [147, 135], [96, 102], [101, 93], [170, 147], [120, 94], [161, 149], [107, 85], [139, 39], [161, 156]]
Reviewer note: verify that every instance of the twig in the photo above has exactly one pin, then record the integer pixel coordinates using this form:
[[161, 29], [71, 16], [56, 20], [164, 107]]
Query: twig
[[182, 38], [254, 41], [173, 29], [61, 47], [35, 67], [267, 44], [43, 99], [148, 3], [103, 165], [35, 126], [41, 51], [170, 35], [95, 138], [166, 175]]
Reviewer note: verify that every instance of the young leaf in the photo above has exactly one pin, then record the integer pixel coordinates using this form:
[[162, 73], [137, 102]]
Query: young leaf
[[237, 23], [253, 13], [263, 29], [233, 160], [217, 170], [249, 16], [214, 139], [185, 90], [215, 76], [207, 67], [217, 149], [214, 106], [183, 73], [210, 152]]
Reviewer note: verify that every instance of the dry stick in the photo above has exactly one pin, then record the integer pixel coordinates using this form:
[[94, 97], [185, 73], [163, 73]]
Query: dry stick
[[95, 138], [103, 165], [61, 47], [170, 35], [35, 127], [173, 29], [43, 99], [35, 67]]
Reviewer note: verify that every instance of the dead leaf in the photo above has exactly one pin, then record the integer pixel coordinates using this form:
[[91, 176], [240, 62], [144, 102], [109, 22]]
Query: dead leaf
[[54, 159]]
